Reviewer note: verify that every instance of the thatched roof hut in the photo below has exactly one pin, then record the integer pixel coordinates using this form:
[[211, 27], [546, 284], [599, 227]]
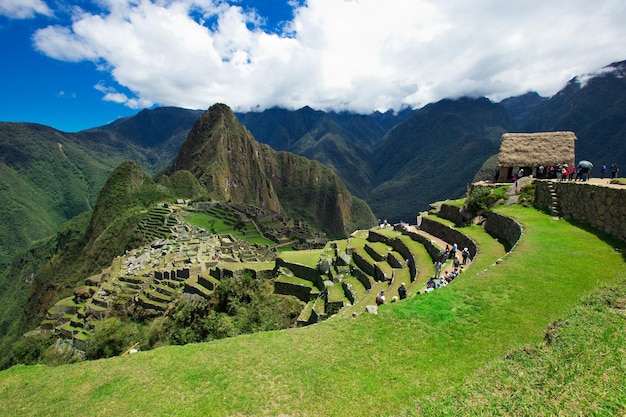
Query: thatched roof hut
[[530, 150]]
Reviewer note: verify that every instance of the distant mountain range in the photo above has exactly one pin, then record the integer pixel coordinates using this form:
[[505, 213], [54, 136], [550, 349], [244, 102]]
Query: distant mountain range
[[397, 163]]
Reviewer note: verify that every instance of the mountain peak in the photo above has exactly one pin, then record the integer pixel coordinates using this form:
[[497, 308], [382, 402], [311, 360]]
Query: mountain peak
[[225, 158]]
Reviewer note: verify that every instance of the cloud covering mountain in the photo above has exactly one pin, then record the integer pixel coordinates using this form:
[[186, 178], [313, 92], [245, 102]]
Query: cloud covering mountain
[[331, 55]]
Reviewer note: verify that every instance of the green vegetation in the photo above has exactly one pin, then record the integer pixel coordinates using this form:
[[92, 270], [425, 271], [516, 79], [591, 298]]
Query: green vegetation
[[578, 370], [221, 223], [303, 257], [483, 197], [446, 347]]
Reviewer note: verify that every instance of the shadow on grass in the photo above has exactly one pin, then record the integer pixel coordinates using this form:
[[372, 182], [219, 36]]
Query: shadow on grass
[[617, 244]]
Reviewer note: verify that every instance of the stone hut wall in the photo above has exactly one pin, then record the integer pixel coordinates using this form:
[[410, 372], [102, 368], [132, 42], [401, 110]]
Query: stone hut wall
[[603, 208]]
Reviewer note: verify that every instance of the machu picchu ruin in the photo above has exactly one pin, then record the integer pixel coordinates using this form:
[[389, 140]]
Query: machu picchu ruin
[[191, 255]]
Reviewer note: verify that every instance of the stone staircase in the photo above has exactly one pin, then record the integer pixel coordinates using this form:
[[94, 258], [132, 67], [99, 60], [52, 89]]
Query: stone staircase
[[555, 205]]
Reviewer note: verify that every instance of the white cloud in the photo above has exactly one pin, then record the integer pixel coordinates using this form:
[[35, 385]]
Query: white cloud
[[23, 9], [359, 55]]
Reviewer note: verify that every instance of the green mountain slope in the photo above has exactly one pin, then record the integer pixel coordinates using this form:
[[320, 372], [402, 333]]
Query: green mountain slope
[[434, 155], [50, 176]]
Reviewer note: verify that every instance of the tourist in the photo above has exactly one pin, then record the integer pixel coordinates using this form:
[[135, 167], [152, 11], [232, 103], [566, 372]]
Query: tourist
[[431, 284], [402, 291], [614, 170], [380, 298], [438, 266], [603, 171], [572, 172], [465, 255], [442, 282]]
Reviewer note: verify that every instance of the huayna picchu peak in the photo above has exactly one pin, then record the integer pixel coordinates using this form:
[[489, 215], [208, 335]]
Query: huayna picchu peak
[[234, 167]]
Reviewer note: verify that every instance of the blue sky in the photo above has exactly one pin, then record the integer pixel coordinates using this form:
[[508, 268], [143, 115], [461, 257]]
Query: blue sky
[[76, 64]]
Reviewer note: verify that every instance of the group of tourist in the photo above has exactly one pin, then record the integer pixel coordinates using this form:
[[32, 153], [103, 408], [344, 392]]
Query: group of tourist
[[383, 224], [438, 280], [402, 293], [569, 172], [604, 170], [565, 172]]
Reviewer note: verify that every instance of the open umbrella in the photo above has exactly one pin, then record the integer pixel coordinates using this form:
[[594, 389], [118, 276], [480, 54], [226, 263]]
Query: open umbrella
[[585, 164]]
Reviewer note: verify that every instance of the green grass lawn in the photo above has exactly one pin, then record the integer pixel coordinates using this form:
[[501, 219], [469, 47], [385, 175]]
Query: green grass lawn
[[426, 348], [219, 225], [303, 257]]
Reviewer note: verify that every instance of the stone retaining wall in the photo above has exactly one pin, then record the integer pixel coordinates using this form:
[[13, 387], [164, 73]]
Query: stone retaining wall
[[378, 257], [392, 259], [448, 234], [347, 290], [398, 246], [432, 249], [365, 266], [362, 277], [302, 271], [603, 208], [452, 213], [506, 229], [301, 292]]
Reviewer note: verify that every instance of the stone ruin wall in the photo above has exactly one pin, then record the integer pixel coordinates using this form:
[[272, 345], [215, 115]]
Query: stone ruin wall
[[603, 208], [506, 229], [448, 234], [301, 292], [398, 246], [451, 213], [302, 271]]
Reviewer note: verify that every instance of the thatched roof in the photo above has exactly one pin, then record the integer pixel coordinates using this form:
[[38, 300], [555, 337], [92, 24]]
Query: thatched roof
[[534, 149]]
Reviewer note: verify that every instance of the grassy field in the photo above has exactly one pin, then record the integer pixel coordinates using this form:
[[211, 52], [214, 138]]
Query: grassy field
[[220, 226], [475, 347]]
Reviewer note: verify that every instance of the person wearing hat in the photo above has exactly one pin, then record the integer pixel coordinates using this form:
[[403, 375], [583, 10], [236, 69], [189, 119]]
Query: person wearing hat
[[402, 291]]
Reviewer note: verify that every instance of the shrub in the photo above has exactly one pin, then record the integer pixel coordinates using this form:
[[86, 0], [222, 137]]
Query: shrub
[[112, 337], [527, 195]]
